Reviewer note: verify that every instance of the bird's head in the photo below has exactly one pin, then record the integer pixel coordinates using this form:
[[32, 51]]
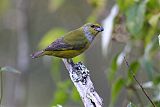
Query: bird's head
[[92, 29]]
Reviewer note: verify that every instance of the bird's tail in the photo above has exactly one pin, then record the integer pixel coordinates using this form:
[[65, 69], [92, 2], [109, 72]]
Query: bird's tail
[[37, 54]]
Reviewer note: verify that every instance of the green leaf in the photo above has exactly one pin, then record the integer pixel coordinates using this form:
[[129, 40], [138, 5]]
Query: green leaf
[[151, 48], [124, 4], [51, 36], [131, 105], [112, 69], [156, 80], [79, 58], [60, 97], [154, 5], [9, 69], [134, 66], [116, 88], [64, 85], [61, 94], [149, 36], [147, 60], [75, 95], [153, 21], [135, 17], [148, 67], [157, 103]]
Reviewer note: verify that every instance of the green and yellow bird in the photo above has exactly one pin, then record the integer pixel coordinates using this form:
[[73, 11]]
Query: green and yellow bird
[[73, 43]]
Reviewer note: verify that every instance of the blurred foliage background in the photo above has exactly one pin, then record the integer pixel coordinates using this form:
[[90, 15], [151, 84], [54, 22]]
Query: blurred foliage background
[[131, 29]]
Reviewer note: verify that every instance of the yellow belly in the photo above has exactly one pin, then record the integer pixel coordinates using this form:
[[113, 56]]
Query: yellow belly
[[65, 53]]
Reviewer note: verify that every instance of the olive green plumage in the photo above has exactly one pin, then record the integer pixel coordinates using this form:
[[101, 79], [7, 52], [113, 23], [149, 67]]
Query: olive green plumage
[[71, 44]]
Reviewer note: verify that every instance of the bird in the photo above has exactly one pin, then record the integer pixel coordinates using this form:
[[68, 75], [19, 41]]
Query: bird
[[72, 43]]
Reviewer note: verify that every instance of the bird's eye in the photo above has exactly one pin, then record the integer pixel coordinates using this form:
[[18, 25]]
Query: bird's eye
[[92, 26]]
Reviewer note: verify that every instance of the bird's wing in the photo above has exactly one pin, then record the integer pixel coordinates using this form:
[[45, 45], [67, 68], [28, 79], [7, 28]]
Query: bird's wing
[[74, 40], [58, 45]]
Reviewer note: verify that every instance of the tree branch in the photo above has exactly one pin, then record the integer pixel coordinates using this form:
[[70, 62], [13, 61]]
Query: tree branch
[[81, 79]]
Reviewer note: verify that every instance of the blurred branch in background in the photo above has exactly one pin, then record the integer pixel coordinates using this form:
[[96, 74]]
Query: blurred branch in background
[[108, 24], [22, 52], [22, 33]]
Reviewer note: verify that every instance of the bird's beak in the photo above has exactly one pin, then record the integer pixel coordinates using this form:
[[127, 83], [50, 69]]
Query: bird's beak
[[99, 29]]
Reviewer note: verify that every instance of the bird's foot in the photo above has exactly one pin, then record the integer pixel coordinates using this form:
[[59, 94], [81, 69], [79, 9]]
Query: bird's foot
[[80, 73], [70, 61]]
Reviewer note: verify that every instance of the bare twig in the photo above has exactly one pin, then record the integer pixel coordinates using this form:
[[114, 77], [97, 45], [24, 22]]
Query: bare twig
[[133, 75], [80, 77]]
